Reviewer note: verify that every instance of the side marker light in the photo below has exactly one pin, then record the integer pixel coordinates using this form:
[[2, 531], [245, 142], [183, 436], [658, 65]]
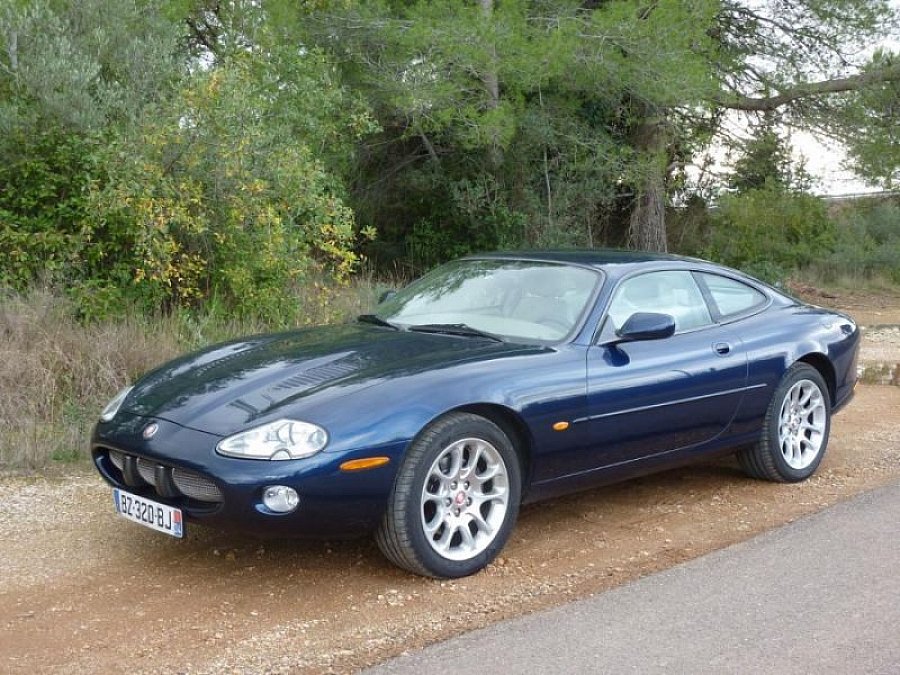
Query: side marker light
[[364, 464]]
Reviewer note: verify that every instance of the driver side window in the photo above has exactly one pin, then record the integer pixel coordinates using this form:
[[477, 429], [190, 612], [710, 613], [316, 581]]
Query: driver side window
[[671, 292]]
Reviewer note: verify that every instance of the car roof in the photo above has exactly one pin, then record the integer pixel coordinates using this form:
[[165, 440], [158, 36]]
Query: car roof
[[598, 257], [618, 263]]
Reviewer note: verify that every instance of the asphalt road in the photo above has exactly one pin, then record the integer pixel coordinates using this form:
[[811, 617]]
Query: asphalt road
[[821, 595]]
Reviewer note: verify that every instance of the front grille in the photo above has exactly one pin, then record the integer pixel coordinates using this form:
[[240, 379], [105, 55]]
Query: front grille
[[167, 481]]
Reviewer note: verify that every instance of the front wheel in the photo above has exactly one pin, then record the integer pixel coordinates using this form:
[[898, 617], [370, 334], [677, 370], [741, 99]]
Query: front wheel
[[795, 431], [455, 499]]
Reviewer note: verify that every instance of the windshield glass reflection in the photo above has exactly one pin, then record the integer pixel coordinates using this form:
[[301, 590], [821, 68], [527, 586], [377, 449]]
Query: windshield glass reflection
[[512, 299]]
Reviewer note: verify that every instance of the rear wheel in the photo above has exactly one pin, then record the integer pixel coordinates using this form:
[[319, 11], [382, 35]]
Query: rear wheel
[[455, 499], [795, 431]]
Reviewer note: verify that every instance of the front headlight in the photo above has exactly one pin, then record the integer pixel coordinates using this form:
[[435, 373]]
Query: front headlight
[[282, 439], [113, 406]]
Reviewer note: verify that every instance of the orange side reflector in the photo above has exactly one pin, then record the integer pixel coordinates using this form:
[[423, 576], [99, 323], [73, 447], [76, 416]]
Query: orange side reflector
[[364, 463], [560, 426]]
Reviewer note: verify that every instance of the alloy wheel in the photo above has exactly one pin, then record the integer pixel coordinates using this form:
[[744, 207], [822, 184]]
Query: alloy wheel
[[802, 422], [464, 499]]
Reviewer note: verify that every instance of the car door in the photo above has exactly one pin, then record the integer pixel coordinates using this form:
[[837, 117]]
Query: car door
[[656, 396]]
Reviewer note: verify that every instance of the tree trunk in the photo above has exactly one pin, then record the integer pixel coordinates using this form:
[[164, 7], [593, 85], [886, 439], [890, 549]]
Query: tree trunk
[[491, 83], [12, 50], [490, 79], [647, 227]]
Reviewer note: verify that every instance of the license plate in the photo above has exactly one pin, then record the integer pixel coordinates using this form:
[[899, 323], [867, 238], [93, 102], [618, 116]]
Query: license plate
[[149, 513]]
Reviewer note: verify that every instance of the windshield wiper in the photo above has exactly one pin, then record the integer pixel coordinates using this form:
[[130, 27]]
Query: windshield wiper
[[377, 320], [455, 329]]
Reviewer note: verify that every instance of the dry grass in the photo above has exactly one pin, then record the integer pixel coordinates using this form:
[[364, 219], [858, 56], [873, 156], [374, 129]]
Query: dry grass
[[56, 373], [821, 276]]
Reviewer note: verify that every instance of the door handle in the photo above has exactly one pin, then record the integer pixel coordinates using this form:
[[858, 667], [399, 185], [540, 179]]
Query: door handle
[[722, 348]]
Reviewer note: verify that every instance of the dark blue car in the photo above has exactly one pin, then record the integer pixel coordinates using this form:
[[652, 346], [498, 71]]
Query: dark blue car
[[491, 381]]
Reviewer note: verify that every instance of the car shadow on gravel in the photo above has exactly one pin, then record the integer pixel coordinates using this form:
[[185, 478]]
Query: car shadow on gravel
[[206, 551]]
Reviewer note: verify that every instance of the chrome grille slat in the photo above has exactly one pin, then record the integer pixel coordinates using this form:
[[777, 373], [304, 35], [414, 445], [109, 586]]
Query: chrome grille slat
[[147, 470], [189, 483], [196, 486], [118, 459]]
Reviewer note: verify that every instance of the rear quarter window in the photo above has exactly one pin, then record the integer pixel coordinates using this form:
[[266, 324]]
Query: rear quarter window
[[732, 297]]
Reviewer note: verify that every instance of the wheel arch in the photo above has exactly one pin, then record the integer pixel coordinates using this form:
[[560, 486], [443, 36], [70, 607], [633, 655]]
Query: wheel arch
[[513, 426], [822, 364]]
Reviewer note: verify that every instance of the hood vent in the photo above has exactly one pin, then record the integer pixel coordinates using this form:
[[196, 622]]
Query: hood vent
[[319, 374]]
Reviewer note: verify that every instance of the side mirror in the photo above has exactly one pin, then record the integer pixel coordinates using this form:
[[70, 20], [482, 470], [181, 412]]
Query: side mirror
[[387, 295], [646, 326]]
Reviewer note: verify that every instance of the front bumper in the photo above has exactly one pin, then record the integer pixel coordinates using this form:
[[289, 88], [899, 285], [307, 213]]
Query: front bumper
[[179, 466]]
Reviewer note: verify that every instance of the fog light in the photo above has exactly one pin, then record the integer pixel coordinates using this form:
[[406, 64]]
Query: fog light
[[280, 498]]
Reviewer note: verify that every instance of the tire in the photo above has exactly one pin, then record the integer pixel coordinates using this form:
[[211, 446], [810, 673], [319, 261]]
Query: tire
[[455, 499], [795, 431]]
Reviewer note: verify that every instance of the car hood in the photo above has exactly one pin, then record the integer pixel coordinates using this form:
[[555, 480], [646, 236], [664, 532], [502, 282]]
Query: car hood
[[227, 387]]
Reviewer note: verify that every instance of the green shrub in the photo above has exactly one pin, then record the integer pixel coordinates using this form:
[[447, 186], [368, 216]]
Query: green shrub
[[43, 205], [430, 244], [867, 242], [770, 232]]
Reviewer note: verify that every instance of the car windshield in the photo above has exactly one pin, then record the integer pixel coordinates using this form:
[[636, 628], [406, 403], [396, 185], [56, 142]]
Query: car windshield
[[510, 299]]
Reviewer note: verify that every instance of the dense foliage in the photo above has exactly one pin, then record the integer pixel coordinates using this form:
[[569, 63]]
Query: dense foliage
[[867, 242], [172, 153], [131, 170]]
